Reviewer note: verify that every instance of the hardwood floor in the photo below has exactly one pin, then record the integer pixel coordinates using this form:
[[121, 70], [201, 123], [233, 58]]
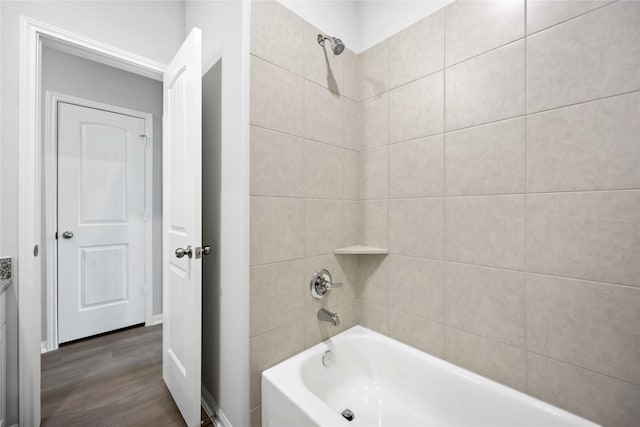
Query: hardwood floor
[[112, 380]]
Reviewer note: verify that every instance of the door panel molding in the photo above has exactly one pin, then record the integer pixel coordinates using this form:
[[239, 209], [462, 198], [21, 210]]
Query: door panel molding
[[51, 212]]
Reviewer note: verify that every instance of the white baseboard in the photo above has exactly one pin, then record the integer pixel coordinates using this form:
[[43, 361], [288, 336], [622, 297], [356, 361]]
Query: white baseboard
[[44, 347], [211, 407], [155, 320]]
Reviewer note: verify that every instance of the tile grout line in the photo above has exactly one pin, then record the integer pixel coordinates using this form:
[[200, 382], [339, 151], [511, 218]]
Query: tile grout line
[[444, 173], [462, 196], [388, 178], [543, 355], [304, 208], [569, 19], [513, 270], [526, 189]]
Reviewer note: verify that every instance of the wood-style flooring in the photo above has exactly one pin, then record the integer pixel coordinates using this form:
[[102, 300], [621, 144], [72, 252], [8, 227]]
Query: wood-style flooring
[[110, 380]]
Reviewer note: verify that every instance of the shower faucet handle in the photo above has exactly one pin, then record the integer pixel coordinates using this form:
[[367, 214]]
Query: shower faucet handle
[[322, 283]]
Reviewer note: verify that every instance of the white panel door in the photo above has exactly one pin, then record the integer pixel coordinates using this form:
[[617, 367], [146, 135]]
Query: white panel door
[[101, 210], [182, 224]]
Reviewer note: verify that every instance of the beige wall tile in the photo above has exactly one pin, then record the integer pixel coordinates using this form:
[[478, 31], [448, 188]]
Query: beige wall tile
[[416, 168], [488, 159], [373, 66], [474, 27], [350, 70], [272, 21], [542, 14], [316, 331], [487, 301], [500, 362], [277, 164], [416, 286], [270, 349], [599, 398], [374, 173], [374, 217], [323, 115], [320, 65], [588, 324], [373, 279], [420, 333], [373, 121], [417, 227], [277, 295], [592, 235], [486, 230], [324, 227], [277, 229], [486, 88], [416, 109], [351, 136], [323, 170], [351, 175], [417, 50], [591, 146], [373, 316], [589, 57], [269, 83], [353, 223]]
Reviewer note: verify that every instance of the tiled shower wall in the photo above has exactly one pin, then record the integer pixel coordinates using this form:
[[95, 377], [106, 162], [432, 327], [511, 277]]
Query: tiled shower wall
[[303, 177], [504, 138], [493, 147]]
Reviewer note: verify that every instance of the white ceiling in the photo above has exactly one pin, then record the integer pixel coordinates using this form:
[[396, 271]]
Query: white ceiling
[[363, 23]]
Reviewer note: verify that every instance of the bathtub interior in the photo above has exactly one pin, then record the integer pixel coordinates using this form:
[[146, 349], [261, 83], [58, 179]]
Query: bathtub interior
[[386, 383]]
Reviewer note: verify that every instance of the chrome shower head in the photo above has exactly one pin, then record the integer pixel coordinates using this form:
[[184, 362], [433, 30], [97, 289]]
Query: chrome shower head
[[337, 45]]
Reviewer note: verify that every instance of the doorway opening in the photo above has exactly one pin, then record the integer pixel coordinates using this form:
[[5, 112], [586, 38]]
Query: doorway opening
[[101, 198], [102, 232], [181, 112]]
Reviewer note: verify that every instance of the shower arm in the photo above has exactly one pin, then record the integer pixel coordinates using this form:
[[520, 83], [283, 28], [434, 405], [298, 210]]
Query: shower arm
[[322, 38]]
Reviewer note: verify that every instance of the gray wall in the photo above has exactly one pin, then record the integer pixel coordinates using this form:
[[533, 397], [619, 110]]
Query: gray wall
[[211, 189], [71, 75], [153, 29]]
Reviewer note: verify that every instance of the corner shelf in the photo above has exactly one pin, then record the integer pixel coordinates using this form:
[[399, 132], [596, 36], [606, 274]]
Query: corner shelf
[[361, 250]]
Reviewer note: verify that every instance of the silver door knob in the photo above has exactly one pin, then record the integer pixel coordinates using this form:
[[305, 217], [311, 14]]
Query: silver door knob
[[182, 252], [67, 234], [205, 250]]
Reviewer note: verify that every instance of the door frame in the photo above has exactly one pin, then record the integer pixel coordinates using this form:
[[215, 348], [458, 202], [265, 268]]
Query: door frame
[[33, 35], [50, 163]]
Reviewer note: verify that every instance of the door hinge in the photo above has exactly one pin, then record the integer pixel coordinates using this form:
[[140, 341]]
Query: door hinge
[[56, 237]]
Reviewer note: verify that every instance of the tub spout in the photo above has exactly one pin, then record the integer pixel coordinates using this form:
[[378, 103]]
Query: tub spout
[[327, 316]]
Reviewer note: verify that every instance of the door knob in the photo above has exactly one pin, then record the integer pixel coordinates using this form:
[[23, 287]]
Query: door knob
[[205, 250], [67, 234], [182, 252]]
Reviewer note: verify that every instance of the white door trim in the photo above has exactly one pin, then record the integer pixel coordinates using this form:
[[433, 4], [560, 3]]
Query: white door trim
[[29, 281], [50, 158]]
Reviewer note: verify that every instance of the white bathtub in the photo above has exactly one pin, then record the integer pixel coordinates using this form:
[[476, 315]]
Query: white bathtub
[[386, 383]]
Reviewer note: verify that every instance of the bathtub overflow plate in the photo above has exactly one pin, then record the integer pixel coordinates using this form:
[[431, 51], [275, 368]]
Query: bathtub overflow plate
[[327, 358], [348, 414]]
